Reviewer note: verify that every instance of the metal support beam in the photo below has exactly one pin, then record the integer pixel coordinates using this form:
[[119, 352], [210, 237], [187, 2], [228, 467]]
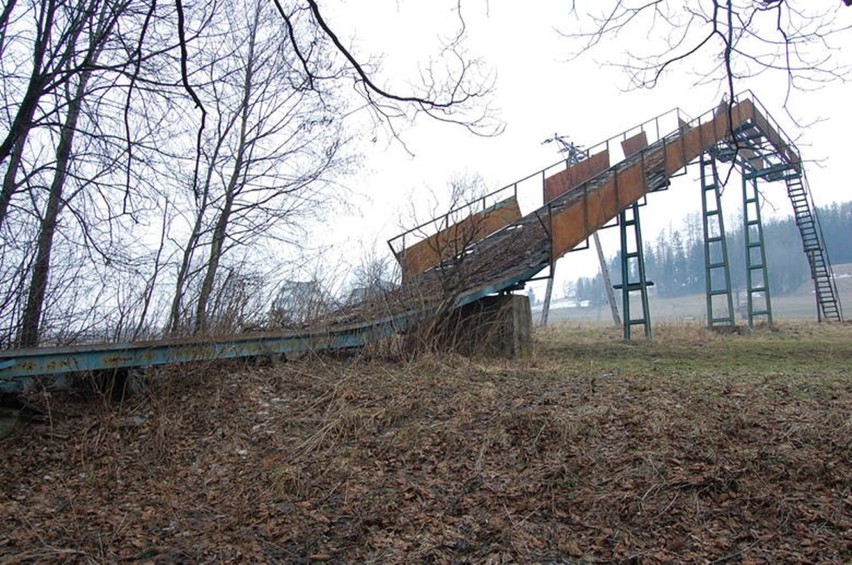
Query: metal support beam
[[610, 292], [548, 294]]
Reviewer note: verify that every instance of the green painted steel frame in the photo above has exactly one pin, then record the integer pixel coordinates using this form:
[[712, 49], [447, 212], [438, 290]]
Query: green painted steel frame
[[16, 367]]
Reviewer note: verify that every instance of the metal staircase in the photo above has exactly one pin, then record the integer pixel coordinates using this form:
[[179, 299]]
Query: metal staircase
[[764, 162], [828, 303]]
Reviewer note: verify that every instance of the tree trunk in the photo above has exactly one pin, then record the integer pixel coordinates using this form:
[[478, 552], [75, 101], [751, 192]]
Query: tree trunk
[[31, 320], [216, 247], [10, 178]]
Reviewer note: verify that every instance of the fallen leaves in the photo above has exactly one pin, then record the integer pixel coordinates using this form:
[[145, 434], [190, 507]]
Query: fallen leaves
[[348, 461]]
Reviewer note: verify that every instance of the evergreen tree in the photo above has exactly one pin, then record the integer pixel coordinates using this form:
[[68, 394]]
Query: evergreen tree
[[675, 263]]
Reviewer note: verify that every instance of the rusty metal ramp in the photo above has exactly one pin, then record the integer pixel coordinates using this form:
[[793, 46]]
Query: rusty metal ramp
[[496, 248]]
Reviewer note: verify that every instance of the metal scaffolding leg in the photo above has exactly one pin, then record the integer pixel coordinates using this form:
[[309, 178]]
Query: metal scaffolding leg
[[717, 272], [610, 293], [757, 277], [545, 308], [633, 272]]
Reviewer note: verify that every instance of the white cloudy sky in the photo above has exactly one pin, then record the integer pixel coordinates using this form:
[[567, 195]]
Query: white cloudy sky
[[539, 92]]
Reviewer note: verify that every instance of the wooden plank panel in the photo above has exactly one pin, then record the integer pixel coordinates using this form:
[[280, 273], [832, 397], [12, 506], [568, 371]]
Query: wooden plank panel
[[602, 206], [594, 210], [575, 175], [634, 144], [573, 225], [675, 150], [697, 140], [448, 242]]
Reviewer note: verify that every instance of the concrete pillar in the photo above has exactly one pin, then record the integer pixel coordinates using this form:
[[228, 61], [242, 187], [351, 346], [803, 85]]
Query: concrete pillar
[[494, 326]]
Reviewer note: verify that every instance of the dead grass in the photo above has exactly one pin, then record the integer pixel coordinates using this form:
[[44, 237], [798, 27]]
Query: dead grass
[[693, 447]]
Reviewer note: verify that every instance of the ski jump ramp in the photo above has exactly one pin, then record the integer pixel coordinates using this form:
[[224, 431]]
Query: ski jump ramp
[[493, 248]]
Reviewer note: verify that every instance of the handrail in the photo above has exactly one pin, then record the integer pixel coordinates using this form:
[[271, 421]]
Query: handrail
[[651, 127], [605, 144], [750, 95]]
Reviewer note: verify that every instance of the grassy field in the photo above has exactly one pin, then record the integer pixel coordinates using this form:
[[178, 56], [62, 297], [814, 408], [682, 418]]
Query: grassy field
[[693, 447]]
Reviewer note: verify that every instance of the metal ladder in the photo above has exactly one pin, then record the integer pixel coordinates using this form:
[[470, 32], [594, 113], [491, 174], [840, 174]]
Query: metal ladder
[[757, 276], [828, 301], [633, 278], [717, 272]]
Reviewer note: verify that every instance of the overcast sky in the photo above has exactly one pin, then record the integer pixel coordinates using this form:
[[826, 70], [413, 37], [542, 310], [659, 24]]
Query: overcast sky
[[540, 92]]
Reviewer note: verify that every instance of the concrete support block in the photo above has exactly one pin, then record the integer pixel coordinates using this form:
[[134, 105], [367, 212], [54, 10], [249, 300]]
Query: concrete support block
[[493, 326]]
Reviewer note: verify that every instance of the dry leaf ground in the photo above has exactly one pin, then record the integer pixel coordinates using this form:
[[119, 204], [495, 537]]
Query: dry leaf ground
[[695, 447]]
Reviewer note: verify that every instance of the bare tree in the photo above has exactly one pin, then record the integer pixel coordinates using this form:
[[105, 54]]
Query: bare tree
[[454, 88], [124, 119], [724, 41], [271, 151], [446, 243]]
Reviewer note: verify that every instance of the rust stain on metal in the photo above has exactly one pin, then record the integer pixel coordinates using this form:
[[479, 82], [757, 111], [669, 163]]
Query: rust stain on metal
[[116, 360], [634, 144], [575, 175], [632, 185], [592, 209], [452, 240], [694, 141], [772, 135]]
